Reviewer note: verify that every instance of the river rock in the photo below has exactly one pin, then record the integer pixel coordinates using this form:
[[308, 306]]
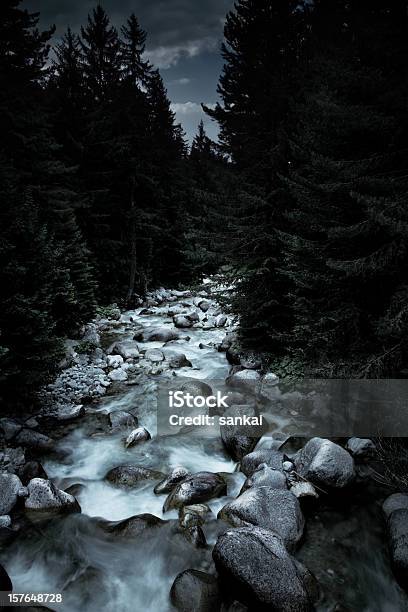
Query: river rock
[[236, 444], [118, 375], [134, 526], [265, 476], [127, 350], [396, 501], [136, 436], [325, 463], [245, 380], [28, 438], [194, 515], [67, 414], [303, 489], [221, 320], [121, 420], [114, 361], [32, 469], [254, 565], [9, 428], [194, 386], [397, 528], [195, 591], [181, 321], [129, 476], [274, 509], [194, 489], [43, 495], [271, 457], [176, 359], [157, 334], [10, 485], [361, 448], [154, 355], [178, 474]]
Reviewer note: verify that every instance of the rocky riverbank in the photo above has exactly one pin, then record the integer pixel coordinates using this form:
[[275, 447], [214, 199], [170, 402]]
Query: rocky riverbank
[[98, 506]]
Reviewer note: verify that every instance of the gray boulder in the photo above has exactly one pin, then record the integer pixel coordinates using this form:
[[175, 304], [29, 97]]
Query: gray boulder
[[127, 350], [178, 474], [176, 359], [195, 489], [130, 476], [10, 485], [154, 355], [43, 496], [265, 476], [397, 501], [361, 448], [28, 438], [182, 321], [274, 509], [120, 420], [397, 528], [195, 591], [194, 515], [156, 334], [254, 565], [133, 526], [246, 380], [137, 436], [271, 457], [325, 464]]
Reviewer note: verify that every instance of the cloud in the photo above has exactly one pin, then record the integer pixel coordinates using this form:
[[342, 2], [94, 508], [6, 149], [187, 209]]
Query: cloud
[[165, 57], [182, 81], [188, 108]]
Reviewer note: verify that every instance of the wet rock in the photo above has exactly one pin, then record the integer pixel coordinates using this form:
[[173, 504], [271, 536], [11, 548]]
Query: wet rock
[[178, 474], [247, 380], [114, 361], [194, 387], [181, 294], [5, 580], [274, 509], [10, 485], [325, 464], [177, 360], [194, 489], [118, 375], [221, 320], [397, 501], [265, 476], [272, 458], [134, 526], [32, 469], [181, 321], [157, 334], [137, 436], [127, 350], [204, 305], [361, 448], [270, 380], [67, 414], [121, 420], [236, 444], [303, 490], [397, 529], [194, 515], [195, 591], [28, 438], [129, 476], [154, 355], [9, 428], [195, 535], [12, 459], [45, 497], [5, 521], [255, 566]]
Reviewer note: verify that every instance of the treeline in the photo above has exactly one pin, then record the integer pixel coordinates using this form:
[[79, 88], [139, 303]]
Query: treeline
[[98, 192], [313, 116]]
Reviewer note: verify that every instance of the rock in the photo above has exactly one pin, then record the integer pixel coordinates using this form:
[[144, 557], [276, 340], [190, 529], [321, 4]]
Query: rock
[[195, 591], [44, 496], [181, 294], [169, 482], [121, 420], [361, 448], [237, 445], [134, 526], [221, 320], [5, 581], [10, 484], [304, 489], [154, 355], [90, 334], [195, 535], [194, 515], [32, 469], [251, 362], [181, 321], [254, 565], [264, 476], [28, 438], [246, 380], [114, 361], [5, 521], [118, 375], [136, 436], [157, 334], [70, 413], [129, 476], [196, 488], [194, 386], [204, 305], [397, 527], [272, 458], [274, 509], [193, 316], [176, 360], [325, 463], [9, 428], [127, 350], [397, 501]]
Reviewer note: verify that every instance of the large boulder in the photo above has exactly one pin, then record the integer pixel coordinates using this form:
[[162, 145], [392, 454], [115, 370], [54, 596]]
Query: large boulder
[[274, 509], [397, 528], [156, 334], [176, 359], [118, 375], [254, 565], [154, 355], [127, 350], [195, 591], [10, 485], [130, 476], [272, 458], [137, 436], [245, 380], [361, 448], [28, 438], [195, 489], [166, 485], [120, 420], [396, 501], [43, 496], [182, 321], [265, 476], [133, 526], [325, 463]]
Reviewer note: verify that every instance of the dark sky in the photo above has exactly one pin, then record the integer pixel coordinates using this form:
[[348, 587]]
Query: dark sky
[[183, 41]]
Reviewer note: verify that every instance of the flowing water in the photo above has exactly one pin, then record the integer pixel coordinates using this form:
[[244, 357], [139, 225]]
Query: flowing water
[[96, 572]]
